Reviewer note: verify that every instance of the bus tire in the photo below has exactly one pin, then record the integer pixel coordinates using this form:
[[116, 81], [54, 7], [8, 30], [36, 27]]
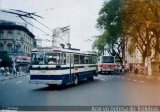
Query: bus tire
[[75, 80]]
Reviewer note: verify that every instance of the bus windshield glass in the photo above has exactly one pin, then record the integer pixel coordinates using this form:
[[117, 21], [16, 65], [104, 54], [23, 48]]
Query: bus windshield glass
[[108, 59], [55, 58], [37, 58], [48, 58]]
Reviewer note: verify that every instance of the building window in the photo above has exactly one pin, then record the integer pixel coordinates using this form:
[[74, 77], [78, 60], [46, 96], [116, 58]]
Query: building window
[[18, 48], [26, 49], [9, 47], [9, 35], [1, 47]]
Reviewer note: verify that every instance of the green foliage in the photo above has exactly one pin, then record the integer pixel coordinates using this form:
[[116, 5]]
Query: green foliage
[[99, 43], [110, 21], [135, 22], [6, 60], [142, 26]]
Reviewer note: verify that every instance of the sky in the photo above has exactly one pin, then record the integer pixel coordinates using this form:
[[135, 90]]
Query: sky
[[80, 15]]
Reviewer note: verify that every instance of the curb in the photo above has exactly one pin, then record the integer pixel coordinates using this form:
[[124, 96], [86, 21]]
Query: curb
[[13, 77]]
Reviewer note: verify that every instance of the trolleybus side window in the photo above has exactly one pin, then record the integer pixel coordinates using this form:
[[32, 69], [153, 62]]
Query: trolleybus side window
[[67, 58], [76, 59], [86, 60], [82, 59], [55, 58], [63, 58], [90, 60], [94, 59]]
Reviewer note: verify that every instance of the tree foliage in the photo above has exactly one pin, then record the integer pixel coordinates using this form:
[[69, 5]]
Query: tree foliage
[[6, 60], [142, 26], [133, 22], [100, 43], [110, 21]]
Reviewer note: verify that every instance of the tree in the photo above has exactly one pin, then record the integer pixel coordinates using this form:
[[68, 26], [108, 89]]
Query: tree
[[141, 26], [100, 43], [135, 22], [110, 22], [6, 60]]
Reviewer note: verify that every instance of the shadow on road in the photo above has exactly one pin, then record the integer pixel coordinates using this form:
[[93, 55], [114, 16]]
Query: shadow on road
[[63, 87], [112, 73]]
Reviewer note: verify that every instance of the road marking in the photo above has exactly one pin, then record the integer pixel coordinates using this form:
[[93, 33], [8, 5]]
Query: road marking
[[19, 82], [142, 81], [135, 80], [118, 76], [122, 77], [128, 79], [103, 79], [148, 77]]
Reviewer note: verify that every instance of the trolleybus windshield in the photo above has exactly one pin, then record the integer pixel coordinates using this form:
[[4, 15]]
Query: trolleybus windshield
[[108, 59], [39, 58]]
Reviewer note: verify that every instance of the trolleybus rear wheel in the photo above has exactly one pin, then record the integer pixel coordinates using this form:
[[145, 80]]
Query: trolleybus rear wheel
[[76, 80]]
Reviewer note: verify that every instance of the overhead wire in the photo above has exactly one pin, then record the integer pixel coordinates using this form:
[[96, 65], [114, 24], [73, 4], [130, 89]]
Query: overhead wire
[[51, 40], [48, 29], [43, 25], [30, 15], [33, 25]]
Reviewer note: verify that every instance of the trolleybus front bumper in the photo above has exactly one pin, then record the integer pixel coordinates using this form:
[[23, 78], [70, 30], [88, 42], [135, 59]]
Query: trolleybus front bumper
[[58, 82]]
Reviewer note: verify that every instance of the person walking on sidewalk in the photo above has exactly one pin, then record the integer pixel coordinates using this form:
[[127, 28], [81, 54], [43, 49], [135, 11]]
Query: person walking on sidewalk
[[17, 70], [159, 68], [2, 70], [6, 71], [14, 71]]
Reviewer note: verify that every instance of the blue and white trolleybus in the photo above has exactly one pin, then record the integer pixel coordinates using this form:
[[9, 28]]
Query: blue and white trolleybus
[[57, 66]]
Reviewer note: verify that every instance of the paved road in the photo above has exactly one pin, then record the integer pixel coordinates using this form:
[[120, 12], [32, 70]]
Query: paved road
[[104, 90]]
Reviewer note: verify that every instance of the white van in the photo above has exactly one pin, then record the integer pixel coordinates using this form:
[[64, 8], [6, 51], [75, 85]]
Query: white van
[[106, 64]]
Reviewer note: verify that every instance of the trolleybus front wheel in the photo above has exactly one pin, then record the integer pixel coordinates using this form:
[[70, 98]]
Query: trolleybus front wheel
[[75, 80]]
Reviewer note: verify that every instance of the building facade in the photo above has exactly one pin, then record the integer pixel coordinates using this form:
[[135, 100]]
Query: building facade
[[136, 60], [16, 39]]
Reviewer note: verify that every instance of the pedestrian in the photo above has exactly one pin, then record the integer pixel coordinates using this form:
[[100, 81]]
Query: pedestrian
[[140, 69], [2, 70], [159, 68], [6, 71], [14, 71], [136, 69], [17, 69], [131, 68], [10, 69], [123, 69]]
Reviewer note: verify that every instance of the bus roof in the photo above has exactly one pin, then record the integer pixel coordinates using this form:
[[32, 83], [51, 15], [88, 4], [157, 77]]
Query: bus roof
[[58, 49], [106, 56]]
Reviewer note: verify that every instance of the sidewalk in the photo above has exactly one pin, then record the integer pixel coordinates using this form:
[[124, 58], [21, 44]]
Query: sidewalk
[[11, 76], [155, 75]]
